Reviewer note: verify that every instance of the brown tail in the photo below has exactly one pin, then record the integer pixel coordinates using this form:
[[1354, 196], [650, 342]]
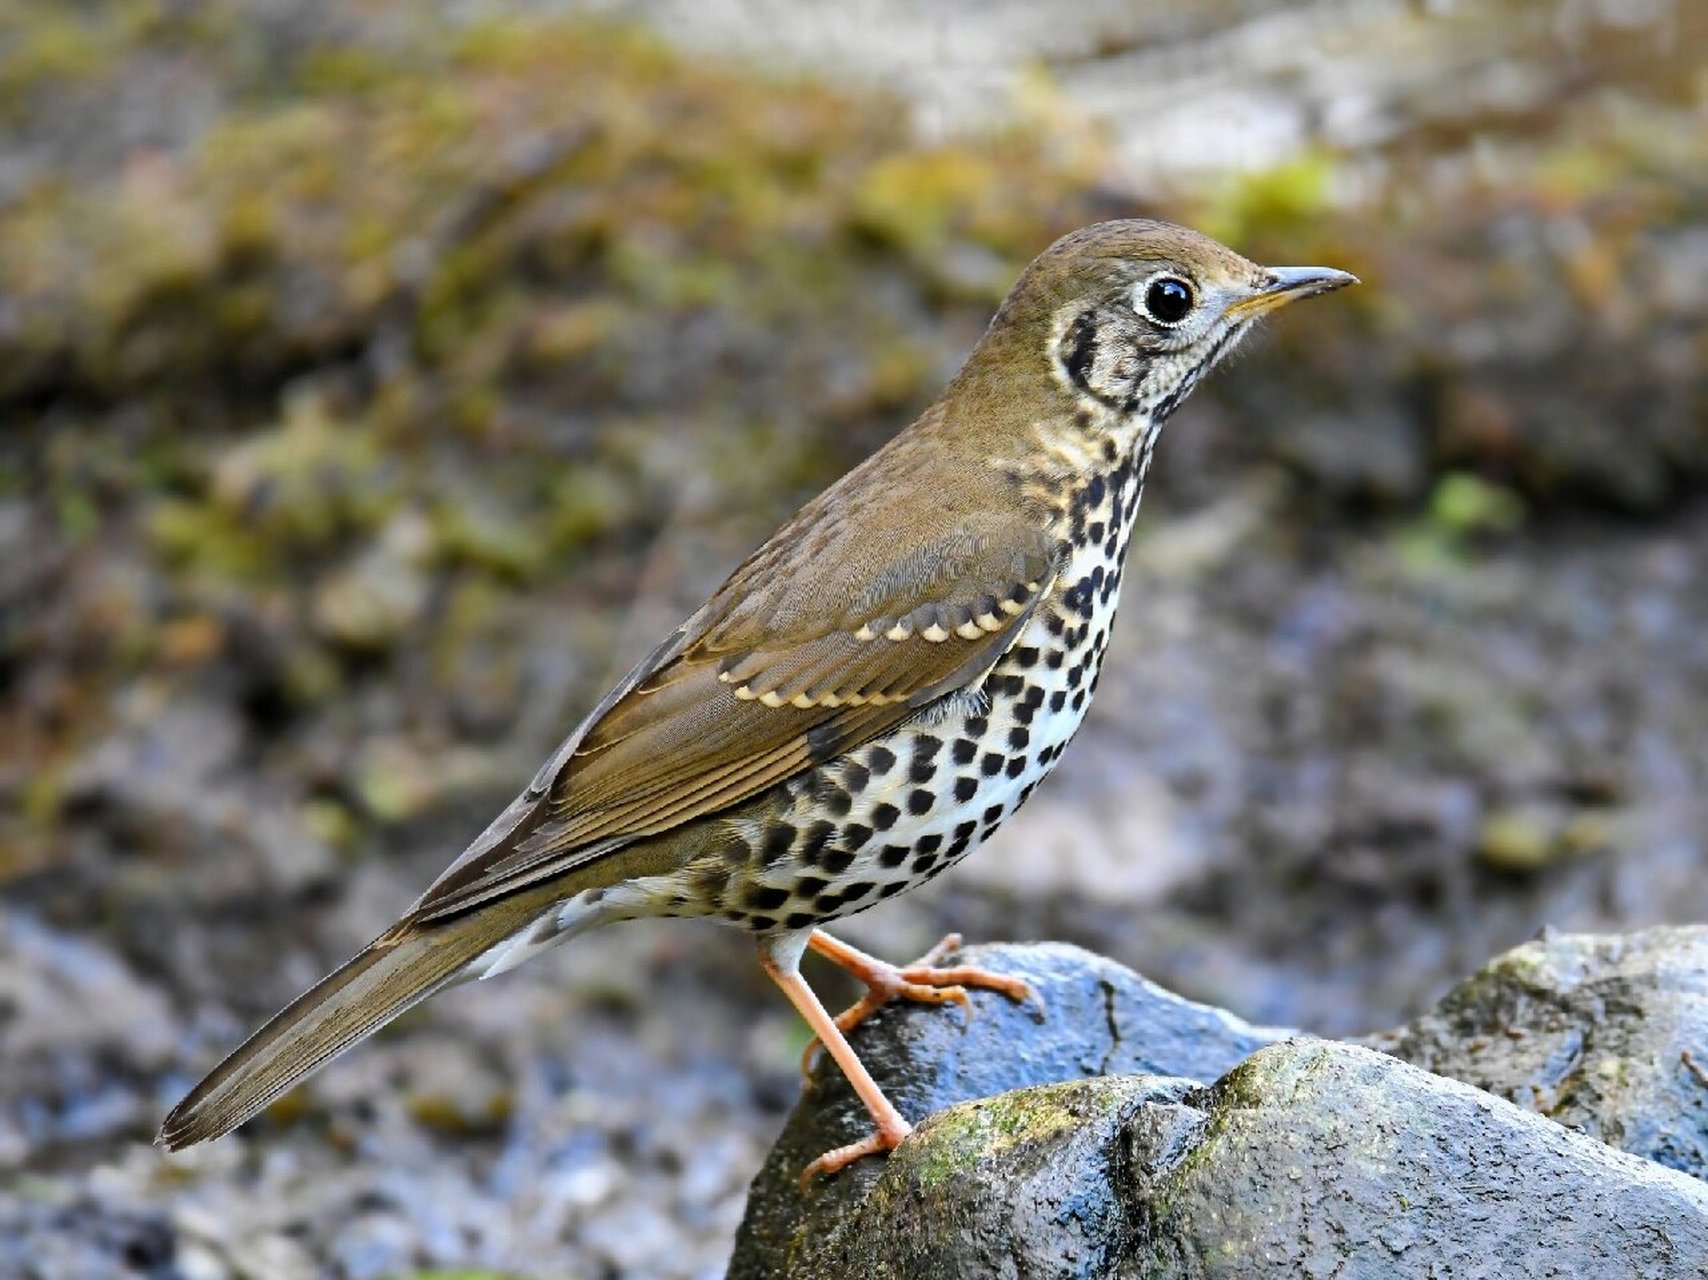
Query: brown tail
[[402, 968]]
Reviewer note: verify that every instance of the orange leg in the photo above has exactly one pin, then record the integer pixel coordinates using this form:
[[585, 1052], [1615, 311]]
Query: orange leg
[[923, 982], [892, 1126]]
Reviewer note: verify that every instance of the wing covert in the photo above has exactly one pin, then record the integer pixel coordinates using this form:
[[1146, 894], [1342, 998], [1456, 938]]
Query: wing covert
[[735, 703]]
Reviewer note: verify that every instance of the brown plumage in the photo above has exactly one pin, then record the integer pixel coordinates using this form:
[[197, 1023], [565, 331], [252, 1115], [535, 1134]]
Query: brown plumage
[[938, 602]]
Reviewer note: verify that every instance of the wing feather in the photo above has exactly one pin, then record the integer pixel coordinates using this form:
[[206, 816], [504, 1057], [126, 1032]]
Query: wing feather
[[735, 704]]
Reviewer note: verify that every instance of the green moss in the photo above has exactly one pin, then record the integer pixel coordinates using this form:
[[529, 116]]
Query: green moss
[[958, 1139], [1517, 842], [1279, 201], [1463, 505]]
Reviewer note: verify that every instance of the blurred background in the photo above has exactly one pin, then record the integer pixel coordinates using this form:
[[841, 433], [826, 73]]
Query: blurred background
[[378, 381]]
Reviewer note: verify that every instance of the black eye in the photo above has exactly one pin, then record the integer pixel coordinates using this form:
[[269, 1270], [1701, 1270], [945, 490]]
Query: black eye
[[1168, 300]]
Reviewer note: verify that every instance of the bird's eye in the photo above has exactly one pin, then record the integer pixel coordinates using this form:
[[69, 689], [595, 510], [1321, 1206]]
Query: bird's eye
[[1168, 300]]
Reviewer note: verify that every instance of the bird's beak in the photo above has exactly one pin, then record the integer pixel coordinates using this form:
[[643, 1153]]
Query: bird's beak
[[1288, 284]]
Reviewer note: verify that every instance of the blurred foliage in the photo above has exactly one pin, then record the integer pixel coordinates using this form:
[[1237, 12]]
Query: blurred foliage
[[409, 330], [1536, 308], [356, 400]]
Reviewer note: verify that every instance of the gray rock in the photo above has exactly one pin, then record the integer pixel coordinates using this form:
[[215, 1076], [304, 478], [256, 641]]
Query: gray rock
[[1310, 1159], [81, 1036], [57, 1241], [1608, 1035], [1097, 1019]]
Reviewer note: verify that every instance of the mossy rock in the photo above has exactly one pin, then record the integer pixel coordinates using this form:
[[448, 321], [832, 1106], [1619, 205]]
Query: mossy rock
[[1605, 1034], [1310, 1158]]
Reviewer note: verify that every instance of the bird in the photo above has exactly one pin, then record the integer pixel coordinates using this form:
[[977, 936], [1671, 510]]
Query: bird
[[863, 701]]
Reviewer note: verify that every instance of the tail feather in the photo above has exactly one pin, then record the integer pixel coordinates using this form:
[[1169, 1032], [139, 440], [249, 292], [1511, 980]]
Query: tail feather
[[399, 970]]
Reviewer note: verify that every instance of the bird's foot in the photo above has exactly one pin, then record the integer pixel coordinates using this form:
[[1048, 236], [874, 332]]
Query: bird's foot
[[923, 982], [882, 1140]]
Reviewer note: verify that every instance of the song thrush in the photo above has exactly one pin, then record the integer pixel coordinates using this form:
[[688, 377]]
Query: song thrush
[[863, 702]]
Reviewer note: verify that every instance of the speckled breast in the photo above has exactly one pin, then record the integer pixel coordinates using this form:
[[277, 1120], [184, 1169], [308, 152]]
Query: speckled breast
[[903, 807]]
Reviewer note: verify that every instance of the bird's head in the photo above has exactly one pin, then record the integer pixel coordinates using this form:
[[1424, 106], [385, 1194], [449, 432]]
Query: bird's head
[[1132, 314]]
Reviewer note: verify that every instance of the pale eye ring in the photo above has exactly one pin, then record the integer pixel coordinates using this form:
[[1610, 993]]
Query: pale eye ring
[[1167, 299]]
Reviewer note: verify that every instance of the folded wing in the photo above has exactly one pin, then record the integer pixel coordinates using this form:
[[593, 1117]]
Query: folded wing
[[764, 681]]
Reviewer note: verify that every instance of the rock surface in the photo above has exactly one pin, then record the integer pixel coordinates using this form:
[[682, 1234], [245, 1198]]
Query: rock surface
[[1608, 1035], [1097, 1019], [1307, 1158]]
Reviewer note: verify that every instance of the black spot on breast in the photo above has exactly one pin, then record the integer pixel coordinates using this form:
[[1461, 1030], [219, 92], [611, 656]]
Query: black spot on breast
[[809, 886], [800, 920], [964, 833], [1016, 766], [991, 765], [1025, 656], [814, 840], [856, 775], [882, 760], [831, 797], [919, 802], [929, 844], [859, 889], [978, 726], [993, 814], [966, 789], [1019, 736], [884, 816], [836, 861], [924, 864], [855, 835], [779, 840], [761, 924], [893, 855], [965, 750], [766, 897]]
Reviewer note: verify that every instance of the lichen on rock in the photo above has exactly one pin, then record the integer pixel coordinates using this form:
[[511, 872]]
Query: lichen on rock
[[1307, 1158]]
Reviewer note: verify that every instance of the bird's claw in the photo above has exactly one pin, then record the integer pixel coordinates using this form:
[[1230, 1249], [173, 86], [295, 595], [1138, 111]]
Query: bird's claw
[[875, 1143], [923, 982]]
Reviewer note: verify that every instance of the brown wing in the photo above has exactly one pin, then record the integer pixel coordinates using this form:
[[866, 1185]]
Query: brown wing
[[766, 680]]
